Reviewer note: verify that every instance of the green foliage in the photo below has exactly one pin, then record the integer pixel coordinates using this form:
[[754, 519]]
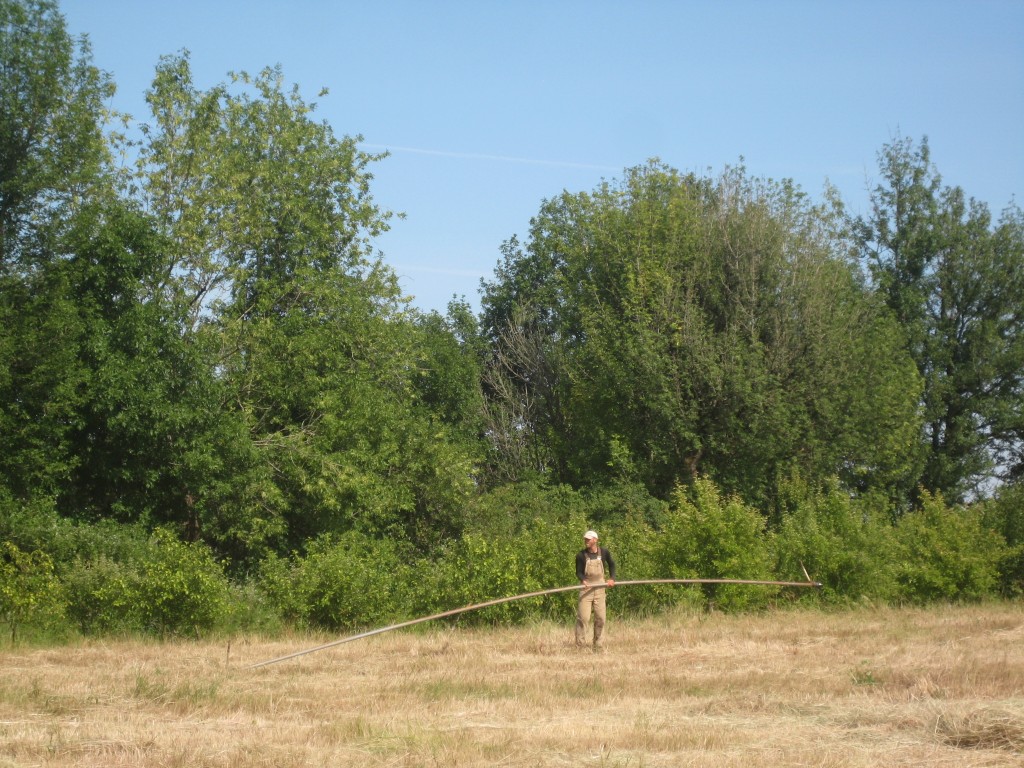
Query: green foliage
[[510, 508], [355, 412], [350, 581], [670, 326], [842, 542], [42, 384], [182, 589], [168, 588], [116, 578], [102, 595], [946, 553], [145, 409], [112, 412], [954, 280], [639, 548], [449, 367], [275, 580], [616, 504], [30, 593], [353, 581], [249, 609], [52, 148], [30, 524], [480, 567], [1005, 515], [706, 535]]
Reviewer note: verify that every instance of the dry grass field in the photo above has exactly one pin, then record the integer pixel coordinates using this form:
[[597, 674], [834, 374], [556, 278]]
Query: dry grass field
[[869, 687]]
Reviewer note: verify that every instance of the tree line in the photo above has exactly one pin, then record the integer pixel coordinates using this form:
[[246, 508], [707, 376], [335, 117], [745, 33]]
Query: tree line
[[211, 384]]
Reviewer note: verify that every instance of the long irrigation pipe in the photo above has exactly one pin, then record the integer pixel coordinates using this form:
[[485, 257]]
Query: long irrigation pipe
[[500, 600]]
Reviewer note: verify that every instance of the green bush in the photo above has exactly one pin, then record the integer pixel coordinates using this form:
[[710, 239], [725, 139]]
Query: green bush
[[706, 536], [946, 554], [349, 581], [164, 586], [99, 565], [639, 554], [276, 581], [508, 510], [182, 590], [33, 525], [30, 594], [113, 578], [1005, 515], [478, 568], [117, 577], [103, 597], [613, 506], [249, 609], [845, 544]]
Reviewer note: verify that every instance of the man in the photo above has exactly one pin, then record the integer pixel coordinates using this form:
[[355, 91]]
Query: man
[[590, 566]]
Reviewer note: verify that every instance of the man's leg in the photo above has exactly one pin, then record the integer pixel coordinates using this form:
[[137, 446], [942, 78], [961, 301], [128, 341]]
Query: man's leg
[[583, 607], [599, 617]]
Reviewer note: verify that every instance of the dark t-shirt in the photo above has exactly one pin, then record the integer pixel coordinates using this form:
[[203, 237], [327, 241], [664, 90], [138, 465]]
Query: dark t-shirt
[[584, 554]]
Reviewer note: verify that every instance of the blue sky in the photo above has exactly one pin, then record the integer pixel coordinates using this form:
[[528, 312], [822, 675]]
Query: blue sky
[[488, 107]]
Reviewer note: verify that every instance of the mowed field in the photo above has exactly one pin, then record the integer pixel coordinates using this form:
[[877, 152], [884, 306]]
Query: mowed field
[[942, 686]]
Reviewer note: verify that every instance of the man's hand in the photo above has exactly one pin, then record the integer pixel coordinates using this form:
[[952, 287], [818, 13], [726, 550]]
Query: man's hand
[[611, 582]]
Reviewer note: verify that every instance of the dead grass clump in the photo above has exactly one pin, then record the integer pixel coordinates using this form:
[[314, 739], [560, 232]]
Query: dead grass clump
[[982, 729]]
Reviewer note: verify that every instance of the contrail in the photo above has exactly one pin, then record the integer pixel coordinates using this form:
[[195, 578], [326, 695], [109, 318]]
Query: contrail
[[438, 270], [493, 158]]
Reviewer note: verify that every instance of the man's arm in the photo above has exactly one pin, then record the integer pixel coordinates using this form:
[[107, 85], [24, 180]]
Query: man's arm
[[611, 563]]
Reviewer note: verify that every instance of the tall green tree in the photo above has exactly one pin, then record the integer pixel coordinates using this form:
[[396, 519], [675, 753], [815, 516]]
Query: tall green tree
[[671, 326], [271, 222], [107, 406], [954, 279], [52, 117], [150, 437], [111, 410], [53, 157]]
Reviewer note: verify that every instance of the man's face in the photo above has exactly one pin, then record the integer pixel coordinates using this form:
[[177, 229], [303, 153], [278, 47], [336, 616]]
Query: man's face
[[591, 544]]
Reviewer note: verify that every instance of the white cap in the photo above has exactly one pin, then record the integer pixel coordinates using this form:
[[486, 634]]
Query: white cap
[[590, 535]]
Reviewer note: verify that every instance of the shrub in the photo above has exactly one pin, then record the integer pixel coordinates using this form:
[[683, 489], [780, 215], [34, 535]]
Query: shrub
[[160, 585], [34, 525], [844, 544], [1005, 515], [276, 580], [351, 581], [181, 588], [30, 594], [706, 536], [638, 550], [508, 510], [102, 596], [613, 506], [478, 568], [100, 566], [946, 553], [249, 609]]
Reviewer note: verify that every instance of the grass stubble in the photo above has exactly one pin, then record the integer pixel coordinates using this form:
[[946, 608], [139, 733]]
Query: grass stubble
[[942, 686]]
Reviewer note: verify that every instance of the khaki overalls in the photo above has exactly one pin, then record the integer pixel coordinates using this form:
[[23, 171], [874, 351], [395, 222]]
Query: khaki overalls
[[591, 601]]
